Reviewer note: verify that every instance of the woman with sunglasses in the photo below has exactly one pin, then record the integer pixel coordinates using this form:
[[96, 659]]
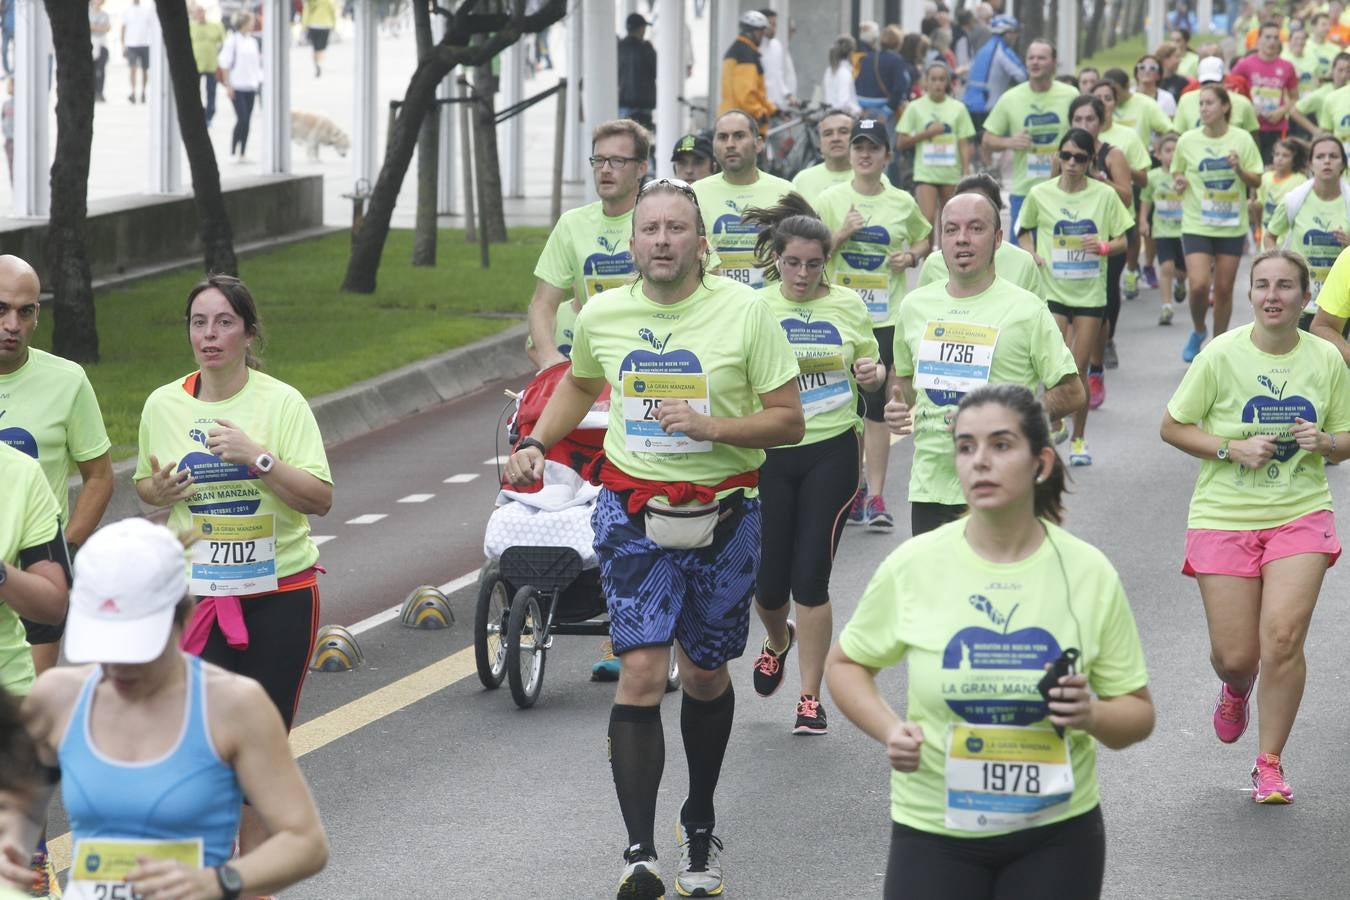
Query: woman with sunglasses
[[805, 489], [1314, 219], [1147, 80], [1213, 167], [994, 791], [1266, 407], [1074, 225]]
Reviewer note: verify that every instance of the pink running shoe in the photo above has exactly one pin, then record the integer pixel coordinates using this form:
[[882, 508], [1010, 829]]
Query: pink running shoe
[[1268, 784], [1231, 714], [1096, 389]]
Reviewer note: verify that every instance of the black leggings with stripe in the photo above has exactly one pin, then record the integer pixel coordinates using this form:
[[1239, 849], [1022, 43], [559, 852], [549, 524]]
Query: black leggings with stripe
[[804, 492]]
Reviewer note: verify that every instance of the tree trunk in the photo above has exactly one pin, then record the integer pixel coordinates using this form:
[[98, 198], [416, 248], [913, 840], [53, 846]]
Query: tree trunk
[[213, 221], [1033, 24], [424, 236], [1094, 29], [489, 165], [75, 334]]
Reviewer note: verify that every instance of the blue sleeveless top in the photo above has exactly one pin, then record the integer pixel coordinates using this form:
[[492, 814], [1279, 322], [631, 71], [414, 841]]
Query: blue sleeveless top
[[187, 793]]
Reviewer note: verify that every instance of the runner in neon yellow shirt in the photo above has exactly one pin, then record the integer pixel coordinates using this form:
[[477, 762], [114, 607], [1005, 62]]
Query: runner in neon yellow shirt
[[1010, 261], [1213, 167], [976, 328], [702, 377], [1308, 111], [1288, 164], [587, 251], [1015, 594], [1333, 306], [1335, 114], [237, 458], [806, 489], [1265, 406], [1110, 90], [1314, 220], [1142, 114], [834, 130], [49, 411], [1325, 50], [1188, 112], [938, 128], [1029, 119], [33, 564], [879, 233], [1160, 221], [1077, 223], [1307, 64], [725, 197]]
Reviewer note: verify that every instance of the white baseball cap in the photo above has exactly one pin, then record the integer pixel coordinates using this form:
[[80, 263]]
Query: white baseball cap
[[1209, 69], [129, 576]]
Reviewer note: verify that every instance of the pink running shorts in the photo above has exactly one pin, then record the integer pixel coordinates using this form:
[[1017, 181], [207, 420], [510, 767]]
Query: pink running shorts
[[1210, 551]]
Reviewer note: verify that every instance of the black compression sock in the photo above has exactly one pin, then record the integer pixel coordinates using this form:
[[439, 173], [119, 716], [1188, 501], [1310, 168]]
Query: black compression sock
[[637, 758], [706, 728]]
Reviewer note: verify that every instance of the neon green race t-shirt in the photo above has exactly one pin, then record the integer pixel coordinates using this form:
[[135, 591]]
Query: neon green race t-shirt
[[49, 411], [1274, 189], [1326, 56], [1306, 67], [1189, 65], [1312, 234], [29, 518], [174, 427], [976, 637], [1166, 216], [950, 346], [586, 253], [813, 182], [937, 160], [1187, 117], [1044, 116], [1234, 390], [893, 223], [1215, 201], [1335, 114], [1335, 294], [1125, 137], [722, 205], [1011, 262], [827, 335], [1066, 224], [1142, 115], [718, 349]]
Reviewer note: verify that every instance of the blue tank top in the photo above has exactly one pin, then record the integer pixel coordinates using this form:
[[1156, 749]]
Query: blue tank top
[[189, 792]]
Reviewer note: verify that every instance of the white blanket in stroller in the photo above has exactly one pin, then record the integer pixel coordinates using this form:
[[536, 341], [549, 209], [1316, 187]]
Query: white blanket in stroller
[[557, 515]]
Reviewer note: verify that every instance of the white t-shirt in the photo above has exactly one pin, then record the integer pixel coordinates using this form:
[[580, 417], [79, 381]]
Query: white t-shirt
[[1167, 102], [140, 24], [241, 57], [780, 76], [838, 88]]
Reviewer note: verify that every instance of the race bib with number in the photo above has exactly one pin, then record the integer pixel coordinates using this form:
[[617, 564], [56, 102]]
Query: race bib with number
[[1069, 259], [955, 356], [1040, 161], [234, 556], [742, 267], [643, 393], [1266, 100], [1221, 206], [1168, 210], [99, 868], [939, 151], [1003, 778], [823, 384], [597, 283], [875, 290]]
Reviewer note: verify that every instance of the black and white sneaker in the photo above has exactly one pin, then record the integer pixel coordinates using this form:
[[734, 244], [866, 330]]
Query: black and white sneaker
[[810, 716], [640, 879]]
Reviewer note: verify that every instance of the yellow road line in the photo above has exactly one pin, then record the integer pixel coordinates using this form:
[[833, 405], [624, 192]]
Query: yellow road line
[[344, 720]]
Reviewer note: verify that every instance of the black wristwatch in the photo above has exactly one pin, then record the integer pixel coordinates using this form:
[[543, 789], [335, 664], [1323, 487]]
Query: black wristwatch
[[231, 884], [531, 442], [4, 574]]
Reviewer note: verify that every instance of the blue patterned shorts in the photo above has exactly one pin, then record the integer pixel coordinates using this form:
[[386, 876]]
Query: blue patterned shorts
[[699, 597]]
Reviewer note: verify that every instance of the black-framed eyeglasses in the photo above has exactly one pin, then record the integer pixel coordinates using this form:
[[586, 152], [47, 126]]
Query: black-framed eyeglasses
[[678, 184], [617, 163], [1080, 158]]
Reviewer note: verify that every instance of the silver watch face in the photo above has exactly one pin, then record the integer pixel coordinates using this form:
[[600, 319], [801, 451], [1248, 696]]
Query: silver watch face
[[265, 462]]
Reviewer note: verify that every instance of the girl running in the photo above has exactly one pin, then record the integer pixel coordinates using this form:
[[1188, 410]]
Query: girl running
[[1287, 171], [805, 489], [1160, 220], [1000, 823], [1212, 168], [1266, 407], [1074, 225], [938, 126], [1314, 219]]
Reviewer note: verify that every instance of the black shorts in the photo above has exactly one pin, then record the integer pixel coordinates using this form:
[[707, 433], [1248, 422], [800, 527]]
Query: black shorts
[[1213, 246], [138, 56], [872, 404], [804, 493], [1065, 860], [281, 630], [1266, 140], [40, 633], [1076, 312], [925, 517], [1169, 250], [318, 39]]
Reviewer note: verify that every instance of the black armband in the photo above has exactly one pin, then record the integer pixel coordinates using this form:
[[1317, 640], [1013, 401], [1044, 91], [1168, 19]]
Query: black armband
[[52, 551]]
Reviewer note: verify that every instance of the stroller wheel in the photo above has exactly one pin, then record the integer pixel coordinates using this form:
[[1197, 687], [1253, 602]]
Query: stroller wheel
[[673, 673], [489, 627], [525, 647]]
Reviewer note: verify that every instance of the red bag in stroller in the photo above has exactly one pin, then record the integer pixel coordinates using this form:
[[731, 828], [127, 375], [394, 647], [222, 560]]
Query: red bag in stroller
[[577, 450]]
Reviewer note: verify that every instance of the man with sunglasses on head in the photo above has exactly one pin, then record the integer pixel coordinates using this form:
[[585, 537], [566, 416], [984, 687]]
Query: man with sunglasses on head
[[587, 252], [703, 379]]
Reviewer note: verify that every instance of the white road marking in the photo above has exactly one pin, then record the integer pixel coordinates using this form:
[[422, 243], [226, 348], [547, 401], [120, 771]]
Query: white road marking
[[367, 519], [393, 612], [416, 498], [462, 478], [497, 461], [321, 538]]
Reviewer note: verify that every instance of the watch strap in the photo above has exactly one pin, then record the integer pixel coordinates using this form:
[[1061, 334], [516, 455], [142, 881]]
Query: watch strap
[[231, 884], [531, 442]]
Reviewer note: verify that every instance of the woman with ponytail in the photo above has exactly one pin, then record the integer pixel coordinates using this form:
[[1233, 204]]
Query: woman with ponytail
[[805, 489], [994, 787]]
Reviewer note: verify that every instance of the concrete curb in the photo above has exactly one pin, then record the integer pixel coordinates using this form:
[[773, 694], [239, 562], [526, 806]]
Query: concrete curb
[[374, 403]]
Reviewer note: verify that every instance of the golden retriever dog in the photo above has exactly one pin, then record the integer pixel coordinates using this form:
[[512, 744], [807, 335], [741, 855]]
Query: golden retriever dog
[[314, 131]]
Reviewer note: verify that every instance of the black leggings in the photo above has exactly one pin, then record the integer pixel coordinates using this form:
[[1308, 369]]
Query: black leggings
[[804, 494], [281, 629], [243, 113], [1065, 860], [925, 517]]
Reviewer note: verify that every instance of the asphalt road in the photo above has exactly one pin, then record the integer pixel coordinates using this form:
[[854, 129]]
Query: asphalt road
[[461, 794]]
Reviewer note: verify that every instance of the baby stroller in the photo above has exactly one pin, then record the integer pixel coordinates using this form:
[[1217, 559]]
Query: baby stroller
[[542, 577]]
